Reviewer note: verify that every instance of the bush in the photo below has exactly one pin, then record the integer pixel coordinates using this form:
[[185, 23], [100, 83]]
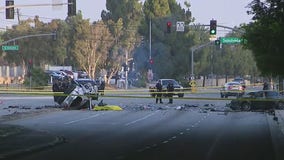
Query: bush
[[38, 78]]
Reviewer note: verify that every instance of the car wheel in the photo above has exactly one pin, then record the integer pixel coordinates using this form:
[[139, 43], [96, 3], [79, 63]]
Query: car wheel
[[280, 105], [245, 106], [181, 95]]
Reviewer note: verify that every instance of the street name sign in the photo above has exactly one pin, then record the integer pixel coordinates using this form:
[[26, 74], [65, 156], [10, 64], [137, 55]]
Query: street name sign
[[10, 48], [231, 40]]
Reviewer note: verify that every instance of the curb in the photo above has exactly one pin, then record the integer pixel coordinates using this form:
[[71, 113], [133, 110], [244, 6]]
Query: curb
[[10, 155], [280, 120]]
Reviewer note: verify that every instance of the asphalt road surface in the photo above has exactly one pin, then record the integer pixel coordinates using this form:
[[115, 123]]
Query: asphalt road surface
[[187, 129]]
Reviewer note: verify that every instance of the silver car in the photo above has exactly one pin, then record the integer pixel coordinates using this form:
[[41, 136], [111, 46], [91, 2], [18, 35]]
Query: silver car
[[232, 89]]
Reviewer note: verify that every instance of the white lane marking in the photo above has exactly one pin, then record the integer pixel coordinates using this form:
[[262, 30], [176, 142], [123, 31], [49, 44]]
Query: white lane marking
[[82, 119], [141, 119]]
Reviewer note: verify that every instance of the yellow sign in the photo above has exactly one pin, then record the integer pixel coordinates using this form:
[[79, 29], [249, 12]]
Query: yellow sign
[[193, 85]]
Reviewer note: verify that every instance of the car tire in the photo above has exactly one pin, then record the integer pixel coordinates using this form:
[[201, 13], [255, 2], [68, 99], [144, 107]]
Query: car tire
[[245, 106]]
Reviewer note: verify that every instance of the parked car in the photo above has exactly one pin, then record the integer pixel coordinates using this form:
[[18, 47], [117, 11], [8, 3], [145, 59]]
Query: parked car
[[258, 100], [241, 81], [232, 89], [179, 90]]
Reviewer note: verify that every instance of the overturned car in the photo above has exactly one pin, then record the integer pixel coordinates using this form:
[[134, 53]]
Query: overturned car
[[74, 93]]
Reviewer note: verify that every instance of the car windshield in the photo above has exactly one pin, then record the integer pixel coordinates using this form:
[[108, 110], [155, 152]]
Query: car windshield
[[233, 83], [166, 82]]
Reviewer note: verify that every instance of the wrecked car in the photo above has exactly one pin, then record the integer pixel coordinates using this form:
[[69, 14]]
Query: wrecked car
[[74, 93], [262, 99]]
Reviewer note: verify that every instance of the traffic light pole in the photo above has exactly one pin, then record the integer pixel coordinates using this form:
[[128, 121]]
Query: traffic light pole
[[220, 26], [28, 36], [194, 48], [33, 5]]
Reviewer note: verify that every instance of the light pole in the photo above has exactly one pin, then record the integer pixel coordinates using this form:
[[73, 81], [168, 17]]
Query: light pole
[[150, 72], [194, 48]]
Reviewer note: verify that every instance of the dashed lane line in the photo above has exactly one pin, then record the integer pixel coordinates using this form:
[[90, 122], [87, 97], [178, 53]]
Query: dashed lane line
[[141, 119], [83, 119]]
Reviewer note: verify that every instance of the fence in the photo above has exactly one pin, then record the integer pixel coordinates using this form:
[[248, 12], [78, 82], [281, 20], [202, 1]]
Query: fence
[[11, 74]]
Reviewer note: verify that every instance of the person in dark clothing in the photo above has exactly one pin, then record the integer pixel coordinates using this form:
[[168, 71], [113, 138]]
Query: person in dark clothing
[[170, 89], [159, 89], [265, 86], [55, 88], [102, 87]]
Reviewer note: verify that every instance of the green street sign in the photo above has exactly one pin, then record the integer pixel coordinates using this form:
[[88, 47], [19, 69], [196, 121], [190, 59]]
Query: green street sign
[[10, 48], [231, 40]]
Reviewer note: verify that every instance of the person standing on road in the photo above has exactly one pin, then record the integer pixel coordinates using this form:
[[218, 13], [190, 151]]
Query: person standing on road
[[159, 90], [170, 89], [265, 86]]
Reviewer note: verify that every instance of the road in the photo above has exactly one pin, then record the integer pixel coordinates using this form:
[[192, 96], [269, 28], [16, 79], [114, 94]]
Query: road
[[201, 130]]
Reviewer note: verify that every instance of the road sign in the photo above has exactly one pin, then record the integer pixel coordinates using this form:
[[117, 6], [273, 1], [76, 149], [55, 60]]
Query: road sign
[[231, 40], [180, 26], [10, 48]]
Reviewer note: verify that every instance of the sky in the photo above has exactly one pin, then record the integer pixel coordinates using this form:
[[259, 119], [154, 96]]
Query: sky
[[227, 12]]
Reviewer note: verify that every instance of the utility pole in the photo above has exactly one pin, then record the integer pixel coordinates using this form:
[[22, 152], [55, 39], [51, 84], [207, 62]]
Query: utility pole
[[150, 61], [18, 16]]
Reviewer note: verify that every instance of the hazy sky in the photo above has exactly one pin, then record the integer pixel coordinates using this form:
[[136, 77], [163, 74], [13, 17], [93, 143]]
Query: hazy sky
[[227, 12]]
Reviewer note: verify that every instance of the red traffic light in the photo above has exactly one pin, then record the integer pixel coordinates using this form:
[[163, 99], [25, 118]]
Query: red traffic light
[[169, 25], [151, 61]]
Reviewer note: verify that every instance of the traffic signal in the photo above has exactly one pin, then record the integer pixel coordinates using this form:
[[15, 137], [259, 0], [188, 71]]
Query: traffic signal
[[9, 9], [151, 61], [217, 42], [71, 8], [169, 26], [213, 27]]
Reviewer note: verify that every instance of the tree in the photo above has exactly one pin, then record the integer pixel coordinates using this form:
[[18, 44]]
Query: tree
[[265, 35], [123, 18], [89, 44]]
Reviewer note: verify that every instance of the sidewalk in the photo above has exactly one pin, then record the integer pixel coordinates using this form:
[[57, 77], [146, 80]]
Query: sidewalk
[[16, 141]]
